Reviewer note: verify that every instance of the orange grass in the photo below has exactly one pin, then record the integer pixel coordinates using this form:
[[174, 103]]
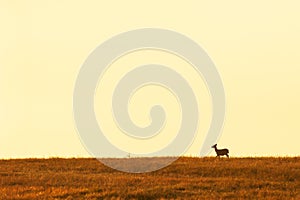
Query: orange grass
[[187, 178]]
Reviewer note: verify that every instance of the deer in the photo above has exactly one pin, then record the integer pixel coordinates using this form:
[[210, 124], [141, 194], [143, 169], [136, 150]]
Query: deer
[[221, 152]]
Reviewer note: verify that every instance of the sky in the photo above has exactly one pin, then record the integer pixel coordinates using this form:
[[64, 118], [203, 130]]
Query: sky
[[254, 45]]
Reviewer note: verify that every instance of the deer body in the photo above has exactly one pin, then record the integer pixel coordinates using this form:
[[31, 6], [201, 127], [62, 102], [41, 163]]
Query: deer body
[[221, 152]]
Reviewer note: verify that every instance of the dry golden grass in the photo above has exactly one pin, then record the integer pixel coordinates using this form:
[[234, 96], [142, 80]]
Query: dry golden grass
[[187, 178]]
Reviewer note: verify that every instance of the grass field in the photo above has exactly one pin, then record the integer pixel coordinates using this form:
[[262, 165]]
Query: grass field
[[187, 178]]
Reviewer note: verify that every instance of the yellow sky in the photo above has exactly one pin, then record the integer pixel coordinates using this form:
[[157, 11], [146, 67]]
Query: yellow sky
[[254, 45]]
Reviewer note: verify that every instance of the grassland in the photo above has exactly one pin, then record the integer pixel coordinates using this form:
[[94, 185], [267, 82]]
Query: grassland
[[187, 178]]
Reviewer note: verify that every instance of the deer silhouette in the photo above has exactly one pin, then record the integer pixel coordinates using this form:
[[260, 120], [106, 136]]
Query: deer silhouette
[[221, 152]]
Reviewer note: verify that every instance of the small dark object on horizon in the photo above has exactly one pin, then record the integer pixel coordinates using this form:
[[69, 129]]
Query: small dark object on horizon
[[221, 152]]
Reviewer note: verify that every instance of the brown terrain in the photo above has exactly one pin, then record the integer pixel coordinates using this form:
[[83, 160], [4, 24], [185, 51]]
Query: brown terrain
[[186, 178]]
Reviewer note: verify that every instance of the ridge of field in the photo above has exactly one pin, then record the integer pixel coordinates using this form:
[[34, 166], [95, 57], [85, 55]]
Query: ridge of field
[[186, 178]]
